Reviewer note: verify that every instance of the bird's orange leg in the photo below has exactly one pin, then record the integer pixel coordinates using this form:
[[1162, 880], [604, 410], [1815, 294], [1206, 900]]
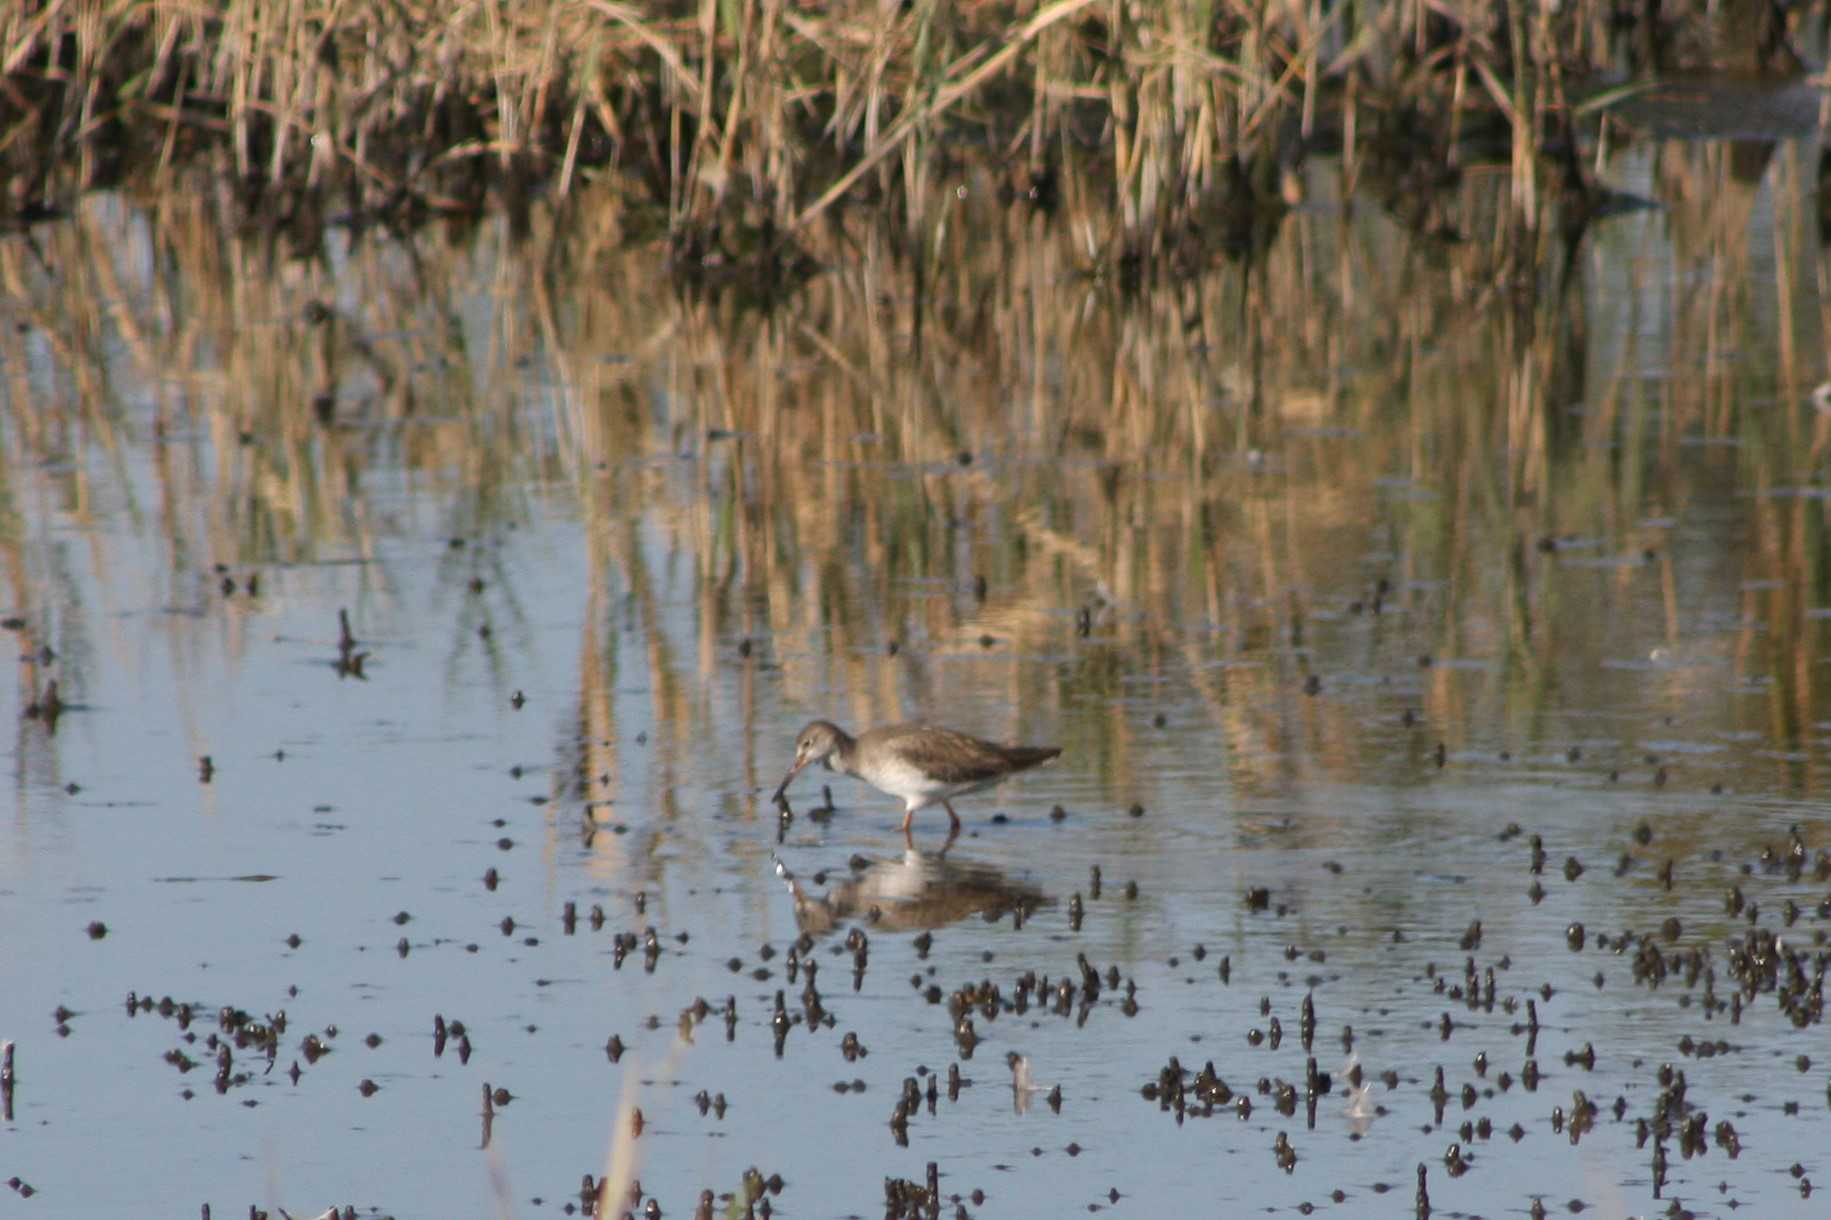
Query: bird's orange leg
[[908, 839], [953, 819]]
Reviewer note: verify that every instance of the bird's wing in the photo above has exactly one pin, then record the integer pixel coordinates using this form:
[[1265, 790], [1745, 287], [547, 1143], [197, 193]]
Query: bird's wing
[[953, 758]]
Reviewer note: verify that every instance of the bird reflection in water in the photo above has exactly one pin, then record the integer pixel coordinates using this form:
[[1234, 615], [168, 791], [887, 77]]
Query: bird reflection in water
[[913, 891]]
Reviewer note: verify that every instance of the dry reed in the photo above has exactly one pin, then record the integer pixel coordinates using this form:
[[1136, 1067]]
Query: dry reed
[[736, 126]]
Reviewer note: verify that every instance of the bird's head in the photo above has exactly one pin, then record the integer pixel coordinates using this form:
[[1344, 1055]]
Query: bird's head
[[817, 743]]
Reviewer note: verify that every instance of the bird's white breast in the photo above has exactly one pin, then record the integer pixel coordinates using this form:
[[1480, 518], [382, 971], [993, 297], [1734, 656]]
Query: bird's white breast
[[900, 778]]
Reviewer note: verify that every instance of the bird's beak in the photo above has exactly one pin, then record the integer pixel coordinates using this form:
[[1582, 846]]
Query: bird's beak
[[782, 789]]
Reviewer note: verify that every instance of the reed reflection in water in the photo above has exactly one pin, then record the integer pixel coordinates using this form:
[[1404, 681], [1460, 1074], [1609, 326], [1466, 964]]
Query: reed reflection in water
[[1327, 566]]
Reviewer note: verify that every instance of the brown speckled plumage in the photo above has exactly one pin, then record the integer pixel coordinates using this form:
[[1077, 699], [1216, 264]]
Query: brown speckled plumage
[[922, 764]]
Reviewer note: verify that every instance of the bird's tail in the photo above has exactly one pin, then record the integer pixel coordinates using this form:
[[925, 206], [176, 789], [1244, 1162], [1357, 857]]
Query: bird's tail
[[1022, 758]]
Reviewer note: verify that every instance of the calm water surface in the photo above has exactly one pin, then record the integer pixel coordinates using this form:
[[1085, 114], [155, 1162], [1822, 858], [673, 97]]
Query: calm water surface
[[1338, 583]]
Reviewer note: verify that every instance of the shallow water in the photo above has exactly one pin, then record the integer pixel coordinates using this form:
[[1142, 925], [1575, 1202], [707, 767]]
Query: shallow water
[[1437, 584]]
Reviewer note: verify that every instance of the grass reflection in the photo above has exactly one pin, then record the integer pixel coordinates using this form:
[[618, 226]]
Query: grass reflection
[[975, 472]]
